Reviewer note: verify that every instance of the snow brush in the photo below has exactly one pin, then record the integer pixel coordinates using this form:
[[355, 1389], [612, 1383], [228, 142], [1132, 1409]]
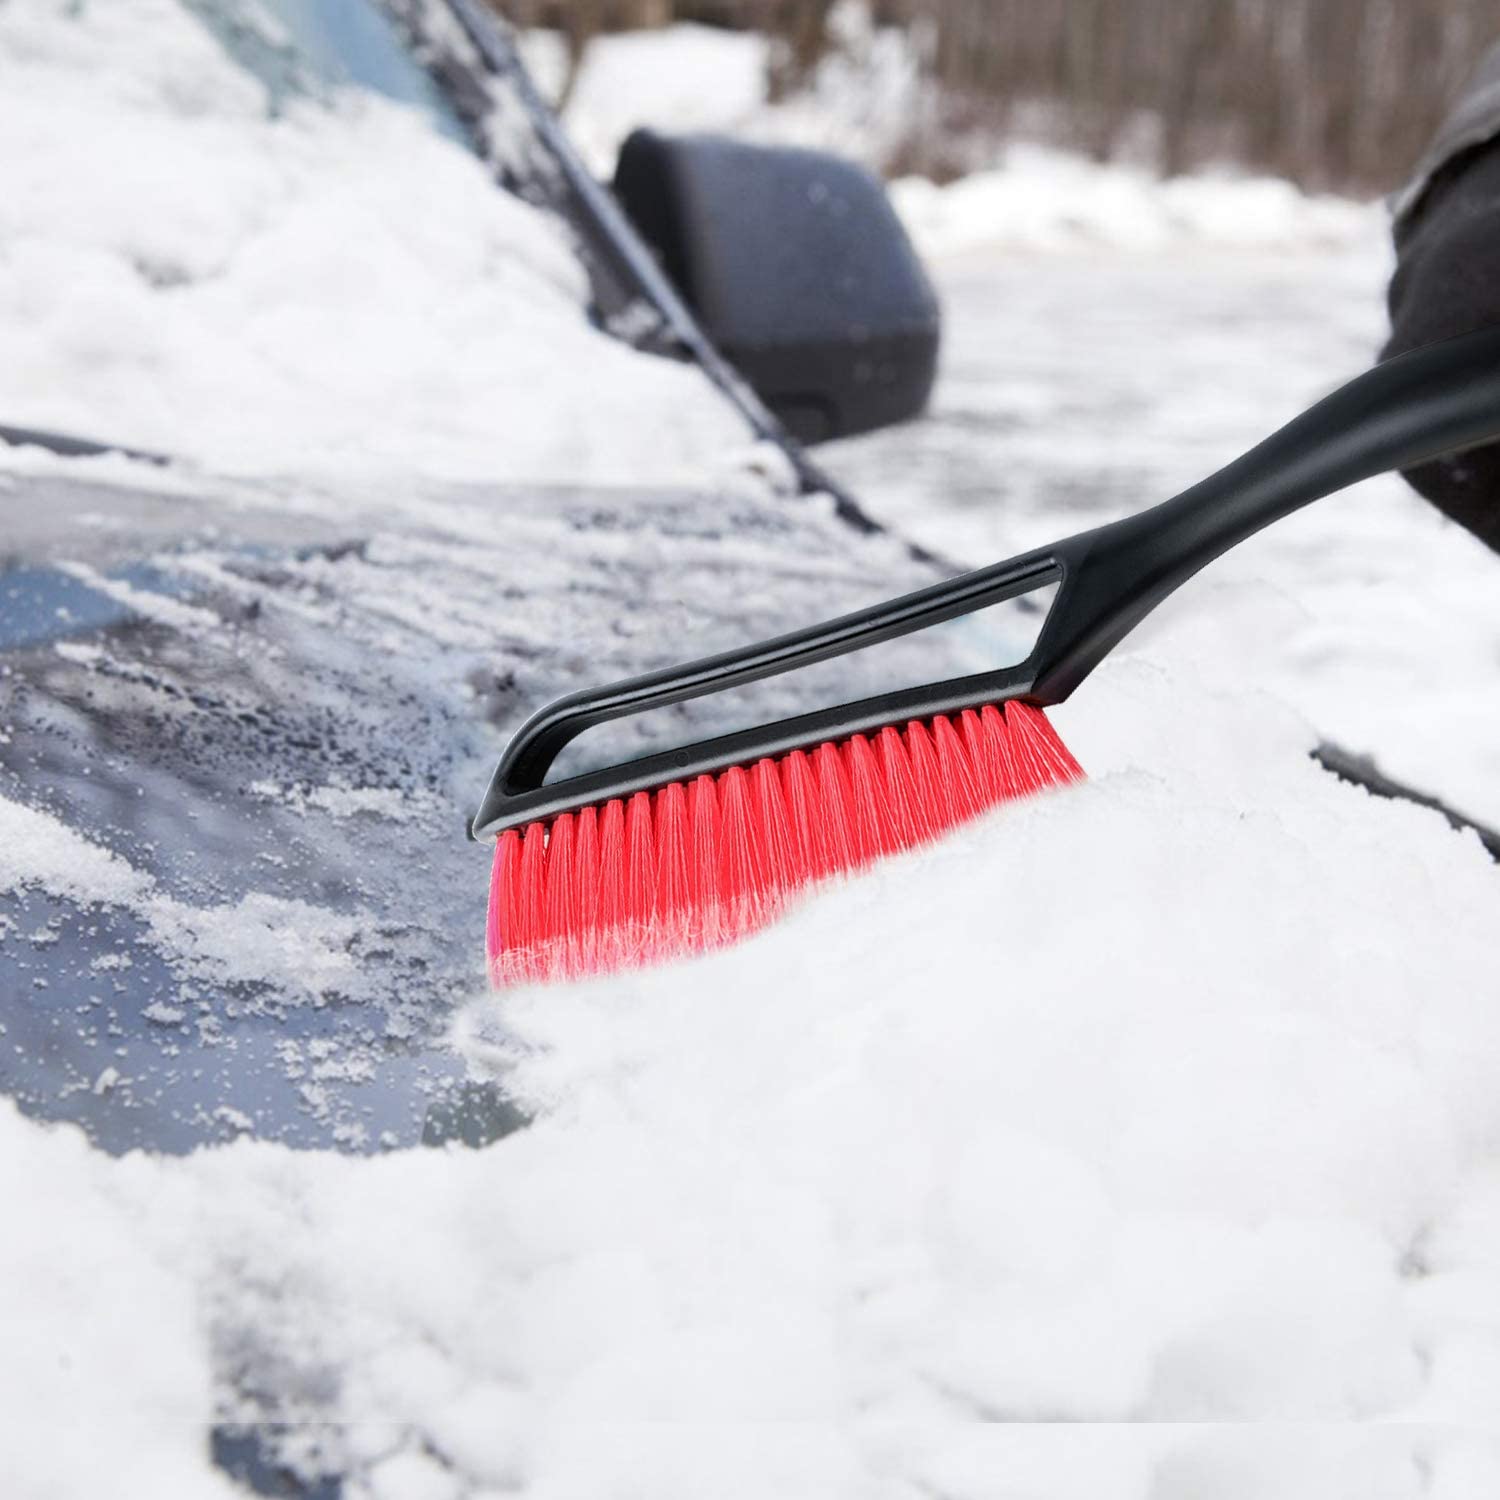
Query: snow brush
[[691, 848]]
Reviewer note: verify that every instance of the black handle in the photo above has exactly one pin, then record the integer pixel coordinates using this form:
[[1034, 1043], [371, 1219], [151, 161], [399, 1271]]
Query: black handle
[[1430, 402], [516, 792], [1422, 405]]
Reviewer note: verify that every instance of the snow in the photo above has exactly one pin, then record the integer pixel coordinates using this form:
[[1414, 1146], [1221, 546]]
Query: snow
[[39, 850], [1057, 1144], [859, 102], [342, 290], [684, 78], [148, 603], [1043, 199], [98, 1337], [1137, 1144], [307, 953]]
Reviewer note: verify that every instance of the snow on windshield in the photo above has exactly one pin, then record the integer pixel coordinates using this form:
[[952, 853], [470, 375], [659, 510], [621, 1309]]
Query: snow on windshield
[[1160, 1102], [336, 289]]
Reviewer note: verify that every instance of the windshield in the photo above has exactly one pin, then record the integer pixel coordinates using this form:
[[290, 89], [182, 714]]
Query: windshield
[[300, 47]]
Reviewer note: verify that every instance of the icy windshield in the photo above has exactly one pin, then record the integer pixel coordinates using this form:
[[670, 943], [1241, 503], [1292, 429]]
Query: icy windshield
[[300, 47]]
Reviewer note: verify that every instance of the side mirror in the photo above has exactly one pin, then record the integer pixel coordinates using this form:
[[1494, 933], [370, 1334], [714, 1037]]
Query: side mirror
[[799, 270]]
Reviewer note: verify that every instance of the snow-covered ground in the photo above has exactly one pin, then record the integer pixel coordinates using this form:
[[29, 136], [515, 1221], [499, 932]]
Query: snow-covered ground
[[1141, 1142]]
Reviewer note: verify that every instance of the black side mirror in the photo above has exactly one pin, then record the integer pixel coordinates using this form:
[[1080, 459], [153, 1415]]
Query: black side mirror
[[799, 270]]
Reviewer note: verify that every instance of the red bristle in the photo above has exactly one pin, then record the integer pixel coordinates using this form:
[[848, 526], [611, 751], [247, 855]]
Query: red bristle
[[1029, 739], [976, 740], [1009, 778], [903, 805], [1052, 756], [504, 886], [876, 832], [927, 781], [640, 871], [527, 934], [529, 913], [1026, 765], [741, 884], [673, 887], [611, 914], [640, 859], [810, 846], [559, 918], [703, 850], [586, 881], [692, 867], [958, 772], [784, 870], [834, 819]]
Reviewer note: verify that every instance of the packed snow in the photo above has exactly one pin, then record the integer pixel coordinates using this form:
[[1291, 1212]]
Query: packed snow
[[1138, 1143]]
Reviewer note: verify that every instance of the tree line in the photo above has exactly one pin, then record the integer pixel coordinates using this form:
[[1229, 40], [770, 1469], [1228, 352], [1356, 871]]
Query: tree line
[[1334, 94]]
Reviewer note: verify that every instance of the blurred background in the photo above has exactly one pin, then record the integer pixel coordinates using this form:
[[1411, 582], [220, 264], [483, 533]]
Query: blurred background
[[1334, 95]]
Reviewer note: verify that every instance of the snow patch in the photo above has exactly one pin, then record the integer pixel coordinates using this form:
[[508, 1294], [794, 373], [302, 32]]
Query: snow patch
[[40, 850], [1041, 199], [299, 949], [389, 803], [150, 605]]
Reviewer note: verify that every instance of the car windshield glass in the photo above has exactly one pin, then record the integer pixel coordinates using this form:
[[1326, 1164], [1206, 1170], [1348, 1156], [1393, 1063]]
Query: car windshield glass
[[297, 47]]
